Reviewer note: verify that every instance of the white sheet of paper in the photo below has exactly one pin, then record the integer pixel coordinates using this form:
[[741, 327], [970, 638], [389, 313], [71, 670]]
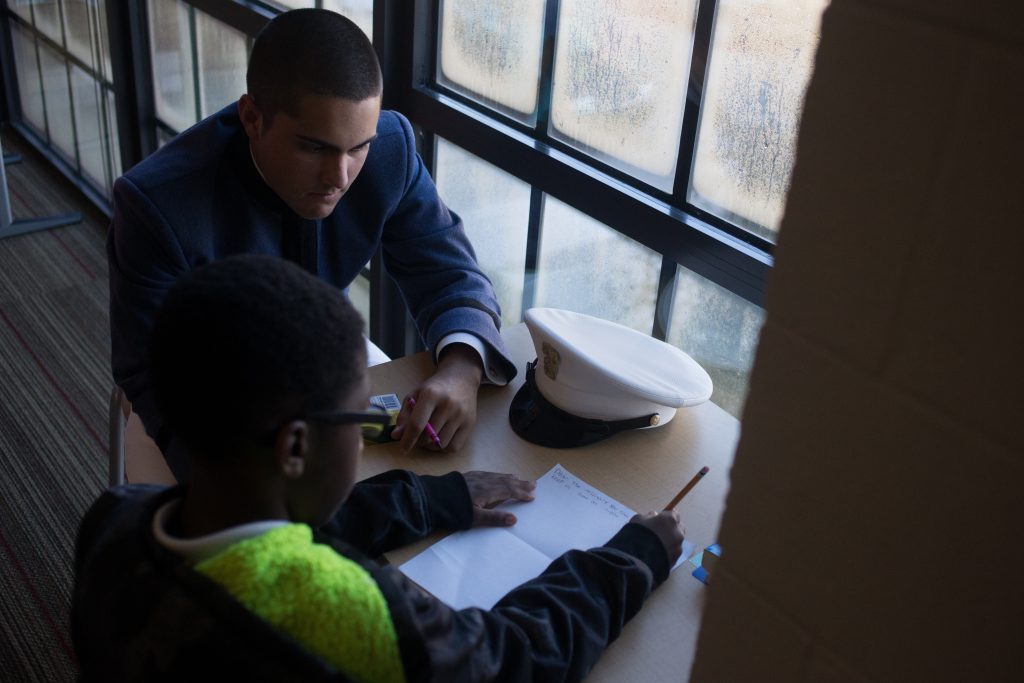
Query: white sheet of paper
[[475, 568]]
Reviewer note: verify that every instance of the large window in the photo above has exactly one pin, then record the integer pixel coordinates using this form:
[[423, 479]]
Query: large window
[[615, 87], [629, 159], [64, 93], [761, 61], [625, 159], [198, 63]]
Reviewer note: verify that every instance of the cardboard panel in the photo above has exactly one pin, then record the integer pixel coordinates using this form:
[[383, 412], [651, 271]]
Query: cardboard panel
[[959, 329], [855, 205], [880, 525], [745, 639], [995, 20]]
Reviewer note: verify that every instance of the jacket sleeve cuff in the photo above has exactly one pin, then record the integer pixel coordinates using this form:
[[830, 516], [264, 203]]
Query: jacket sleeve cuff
[[493, 374], [448, 501], [643, 544]]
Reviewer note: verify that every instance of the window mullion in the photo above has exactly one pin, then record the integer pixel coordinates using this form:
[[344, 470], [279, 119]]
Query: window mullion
[[194, 43], [666, 298], [547, 68], [532, 248], [694, 93]]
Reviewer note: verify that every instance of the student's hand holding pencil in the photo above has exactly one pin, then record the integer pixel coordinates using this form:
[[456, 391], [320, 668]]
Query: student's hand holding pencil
[[666, 527], [665, 524]]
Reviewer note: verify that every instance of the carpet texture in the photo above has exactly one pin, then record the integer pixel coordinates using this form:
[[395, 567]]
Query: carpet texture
[[54, 387]]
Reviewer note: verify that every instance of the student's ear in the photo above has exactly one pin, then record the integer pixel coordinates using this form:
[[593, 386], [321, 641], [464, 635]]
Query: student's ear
[[291, 446], [251, 116]]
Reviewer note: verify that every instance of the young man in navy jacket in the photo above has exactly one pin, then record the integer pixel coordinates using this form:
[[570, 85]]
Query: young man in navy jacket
[[306, 167]]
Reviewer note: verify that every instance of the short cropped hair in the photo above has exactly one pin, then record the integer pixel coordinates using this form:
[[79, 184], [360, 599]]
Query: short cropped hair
[[245, 344], [310, 51]]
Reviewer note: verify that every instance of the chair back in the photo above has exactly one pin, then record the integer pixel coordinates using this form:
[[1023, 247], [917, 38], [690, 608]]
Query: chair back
[[134, 457]]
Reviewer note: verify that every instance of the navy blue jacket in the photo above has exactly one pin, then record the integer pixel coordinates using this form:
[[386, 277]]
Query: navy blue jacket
[[200, 198]]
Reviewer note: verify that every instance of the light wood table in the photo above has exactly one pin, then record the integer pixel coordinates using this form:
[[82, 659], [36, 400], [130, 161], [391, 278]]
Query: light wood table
[[642, 469]]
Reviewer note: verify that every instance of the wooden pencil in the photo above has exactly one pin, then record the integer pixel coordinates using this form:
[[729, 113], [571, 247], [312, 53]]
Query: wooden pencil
[[686, 489]]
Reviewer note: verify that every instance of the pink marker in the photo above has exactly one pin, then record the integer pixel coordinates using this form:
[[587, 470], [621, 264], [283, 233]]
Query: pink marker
[[429, 429]]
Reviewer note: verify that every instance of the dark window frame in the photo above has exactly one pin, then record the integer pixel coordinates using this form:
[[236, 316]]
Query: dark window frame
[[405, 36], [724, 253]]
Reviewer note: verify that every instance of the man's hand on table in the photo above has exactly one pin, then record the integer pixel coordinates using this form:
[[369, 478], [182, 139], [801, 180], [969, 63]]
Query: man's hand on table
[[446, 399], [490, 488], [665, 525]]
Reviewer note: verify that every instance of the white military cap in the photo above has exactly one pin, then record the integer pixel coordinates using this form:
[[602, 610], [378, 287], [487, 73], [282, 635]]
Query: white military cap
[[593, 378]]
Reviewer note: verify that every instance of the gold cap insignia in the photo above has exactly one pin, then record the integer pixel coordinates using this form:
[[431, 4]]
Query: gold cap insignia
[[551, 360]]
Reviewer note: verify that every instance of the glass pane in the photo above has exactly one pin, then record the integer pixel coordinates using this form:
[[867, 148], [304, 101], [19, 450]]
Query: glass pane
[[359, 11], [761, 60], [89, 127], [491, 49], [113, 140], [586, 266], [620, 82], [163, 137], [46, 14], [359, 295], [720, 331], [80, 20], [104, 42], [30, 88], [495, 208], [223, 55], [58, 101], [293, 4], [22, 8], [171, 46]]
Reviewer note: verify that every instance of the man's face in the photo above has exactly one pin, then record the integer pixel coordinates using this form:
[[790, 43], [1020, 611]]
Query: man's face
[[310, 160]]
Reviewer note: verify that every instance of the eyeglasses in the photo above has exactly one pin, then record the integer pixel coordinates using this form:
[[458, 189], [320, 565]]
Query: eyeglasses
[[373, 422]]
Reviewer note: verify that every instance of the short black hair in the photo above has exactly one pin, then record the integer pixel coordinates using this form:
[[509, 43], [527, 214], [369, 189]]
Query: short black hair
[[310, 51], [244, 344]]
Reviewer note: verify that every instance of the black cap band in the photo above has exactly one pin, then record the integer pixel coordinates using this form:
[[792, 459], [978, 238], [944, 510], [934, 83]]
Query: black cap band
[[537, 420]]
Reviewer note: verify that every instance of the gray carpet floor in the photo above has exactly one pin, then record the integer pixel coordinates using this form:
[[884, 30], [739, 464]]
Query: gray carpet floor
[[54, 387]]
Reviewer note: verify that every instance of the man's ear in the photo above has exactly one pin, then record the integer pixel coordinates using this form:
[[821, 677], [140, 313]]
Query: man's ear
[[251, 116], [291, 447]]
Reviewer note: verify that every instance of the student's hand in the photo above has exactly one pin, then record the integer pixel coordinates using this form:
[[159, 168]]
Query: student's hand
[[490, 488], [447, 400], [665, 525]]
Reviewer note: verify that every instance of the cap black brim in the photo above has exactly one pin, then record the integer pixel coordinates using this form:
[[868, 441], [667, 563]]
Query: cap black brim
[[538, 421]]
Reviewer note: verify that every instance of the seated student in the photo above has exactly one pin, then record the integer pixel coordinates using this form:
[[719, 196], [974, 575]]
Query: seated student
[[259, 568]]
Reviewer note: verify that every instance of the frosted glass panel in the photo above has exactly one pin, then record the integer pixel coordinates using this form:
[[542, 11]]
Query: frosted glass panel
[[30, 89], [103, 41], [359, 295], [223, 55], [173, 84], [586, 266], [359, 11], [162, 137], [495, 208], [761, 61], [720, 331], [85, 29], [80, 20], [22, 9], [620, 82], [46, 14], [293, 4], [58, 102], [491, 50], [89, 127]]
